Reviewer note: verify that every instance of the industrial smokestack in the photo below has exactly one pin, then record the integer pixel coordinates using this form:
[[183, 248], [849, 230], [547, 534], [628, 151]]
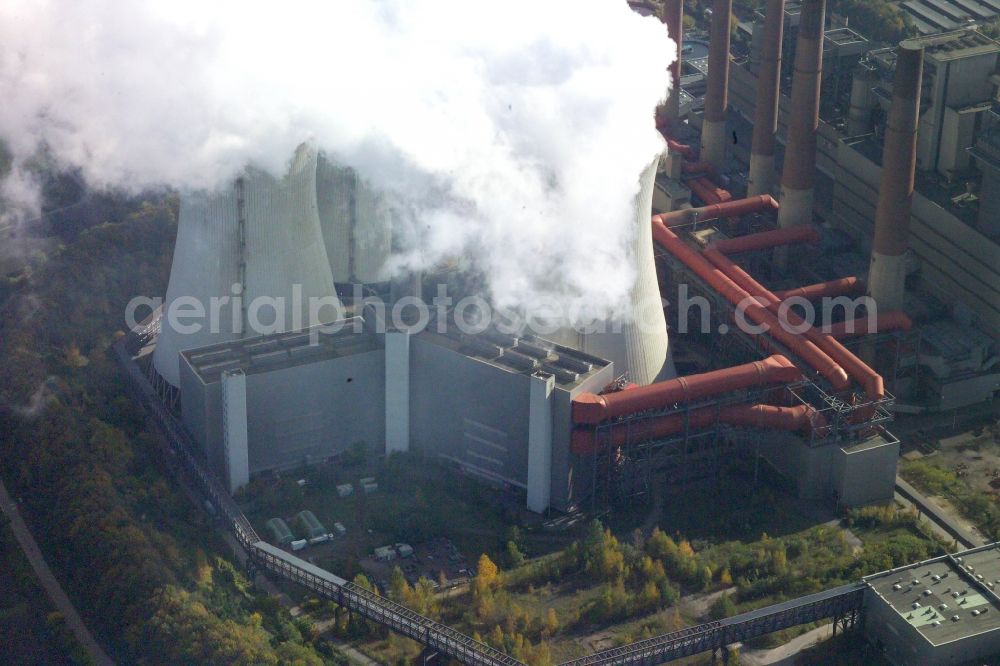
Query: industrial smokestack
[[713, 131], [859, 119], [765, 117], [799, 174], [673, 16], [892, 216]]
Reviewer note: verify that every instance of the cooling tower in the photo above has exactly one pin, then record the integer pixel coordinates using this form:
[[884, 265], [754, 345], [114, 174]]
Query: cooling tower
[[356, 224], [637, 344], [259, 236]]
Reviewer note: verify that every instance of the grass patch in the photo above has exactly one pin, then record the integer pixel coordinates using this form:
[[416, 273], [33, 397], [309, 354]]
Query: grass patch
[[933, 477]]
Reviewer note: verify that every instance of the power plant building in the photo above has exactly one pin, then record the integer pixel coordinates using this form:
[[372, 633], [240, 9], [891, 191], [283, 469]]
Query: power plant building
[[940, 612], [494, 405]]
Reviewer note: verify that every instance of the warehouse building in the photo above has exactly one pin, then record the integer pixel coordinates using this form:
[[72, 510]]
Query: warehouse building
[[938, 612]]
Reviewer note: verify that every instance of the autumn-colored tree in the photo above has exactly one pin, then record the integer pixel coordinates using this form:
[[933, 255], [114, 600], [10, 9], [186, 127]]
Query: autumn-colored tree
[[551, 622]]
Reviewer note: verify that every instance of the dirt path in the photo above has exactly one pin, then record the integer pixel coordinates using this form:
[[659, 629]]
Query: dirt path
[[49, 582], [787, 653]]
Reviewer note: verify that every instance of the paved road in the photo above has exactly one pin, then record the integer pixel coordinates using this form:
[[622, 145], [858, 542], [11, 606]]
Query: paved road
[[49, 582]]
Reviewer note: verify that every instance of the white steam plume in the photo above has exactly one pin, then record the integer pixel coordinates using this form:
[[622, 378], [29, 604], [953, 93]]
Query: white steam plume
[[529, 120]]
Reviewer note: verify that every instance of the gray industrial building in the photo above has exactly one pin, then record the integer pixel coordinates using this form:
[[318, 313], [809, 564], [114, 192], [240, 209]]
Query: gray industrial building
[[938, 612], [954, 230], [496, 406], [848, 474]]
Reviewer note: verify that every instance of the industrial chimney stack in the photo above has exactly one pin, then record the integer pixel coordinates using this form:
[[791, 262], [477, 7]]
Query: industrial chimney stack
[[892, 216], [799, 174], [713, 131], [673, 17], [765, 117]]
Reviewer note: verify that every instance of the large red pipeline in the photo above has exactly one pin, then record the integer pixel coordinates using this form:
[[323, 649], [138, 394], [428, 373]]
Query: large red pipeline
[[767, 239], [893, 320], [584, 440], [734, 208], [847, 286], [589, 408], [697, 167], [708, 191], [860, 371], [803, 348]]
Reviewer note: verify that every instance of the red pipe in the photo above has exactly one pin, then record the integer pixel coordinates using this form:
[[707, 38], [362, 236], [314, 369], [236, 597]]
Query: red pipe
[[708, 191], [697, 167], [804, 349], [893, 320], [584, 441], [684, 149], [804, 233], [734, 208], [860, 371], [840, 287], [592, 409]]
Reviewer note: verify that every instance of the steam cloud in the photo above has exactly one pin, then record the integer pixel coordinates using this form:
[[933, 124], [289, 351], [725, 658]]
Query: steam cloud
[[514, 131]]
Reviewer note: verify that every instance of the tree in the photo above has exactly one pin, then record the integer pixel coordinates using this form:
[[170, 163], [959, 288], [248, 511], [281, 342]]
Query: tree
[[487, 574], [514, 555], [660, 545], [723, 607], [551, 622]]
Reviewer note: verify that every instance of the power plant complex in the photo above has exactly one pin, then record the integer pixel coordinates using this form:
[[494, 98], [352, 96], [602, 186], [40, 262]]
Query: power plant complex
[[795, 181], [571, 418]]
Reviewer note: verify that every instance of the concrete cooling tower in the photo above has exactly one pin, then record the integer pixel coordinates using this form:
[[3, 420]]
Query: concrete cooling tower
[[356, 223], [260, 236], [637, 345]]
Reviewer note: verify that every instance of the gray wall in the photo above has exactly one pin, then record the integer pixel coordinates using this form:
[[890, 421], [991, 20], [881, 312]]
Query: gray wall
[[867, 475], [571, 474], [807, 467], [899, 642], [313, 411], [308, 410], [468, 410], [905, 646], [201, 410]]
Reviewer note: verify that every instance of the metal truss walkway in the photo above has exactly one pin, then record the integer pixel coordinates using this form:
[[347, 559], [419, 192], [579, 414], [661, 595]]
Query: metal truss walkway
[[843, 604]]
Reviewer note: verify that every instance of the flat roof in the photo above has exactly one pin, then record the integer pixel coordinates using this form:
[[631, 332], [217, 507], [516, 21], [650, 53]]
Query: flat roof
[[947, 598], [975, 8], [266, 353], [873, 442], [526, 355], [954, 45]]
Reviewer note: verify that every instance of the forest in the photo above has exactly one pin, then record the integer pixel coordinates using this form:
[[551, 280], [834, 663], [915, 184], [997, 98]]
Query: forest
[[138, 560]]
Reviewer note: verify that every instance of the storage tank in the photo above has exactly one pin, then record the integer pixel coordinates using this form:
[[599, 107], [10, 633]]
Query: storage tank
[[260, 236], [356, 222], [638, 347]]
